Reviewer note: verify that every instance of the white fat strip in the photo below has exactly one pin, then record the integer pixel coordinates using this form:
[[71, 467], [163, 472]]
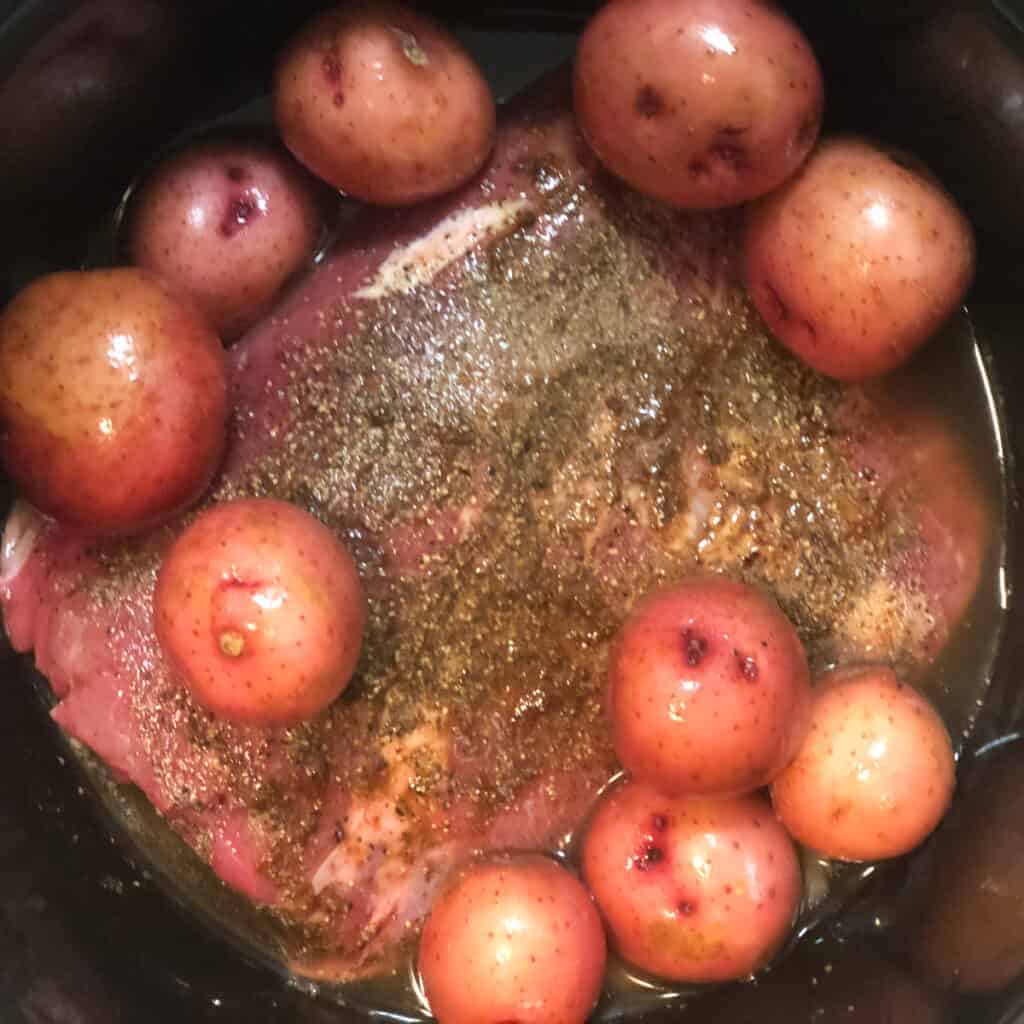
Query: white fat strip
[[19, 540], [374, 826], [691, 523], [419, 261]]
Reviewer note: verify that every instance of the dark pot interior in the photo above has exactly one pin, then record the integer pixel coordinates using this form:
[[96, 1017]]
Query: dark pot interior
[[87, 934]]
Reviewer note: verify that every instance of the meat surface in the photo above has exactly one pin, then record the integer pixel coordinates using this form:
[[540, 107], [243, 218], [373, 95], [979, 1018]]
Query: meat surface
[[522, 407]]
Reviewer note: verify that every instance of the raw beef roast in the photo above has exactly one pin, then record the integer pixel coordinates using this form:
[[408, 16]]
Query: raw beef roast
[[522, 408]]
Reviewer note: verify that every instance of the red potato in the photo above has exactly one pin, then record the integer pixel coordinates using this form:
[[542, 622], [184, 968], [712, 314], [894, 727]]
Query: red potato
[[259, 608], [700, 103], [228, 223], [875, 774], [114, 399], [710, 689], [970, 936], [857, 261], [691, 889], [513, 940], [383, 104]]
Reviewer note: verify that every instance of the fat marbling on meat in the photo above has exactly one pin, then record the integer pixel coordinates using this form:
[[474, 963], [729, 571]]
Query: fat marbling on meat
[[522, 407]]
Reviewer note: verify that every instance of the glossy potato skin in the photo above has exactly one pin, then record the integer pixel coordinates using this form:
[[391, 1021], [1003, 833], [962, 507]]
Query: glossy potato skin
[[228, 223], [857, 261], [383, 104], [971, 933], [709, 689], [513, 939], [875, 774], [113, 396], [700, 103], [691, 889], [259, 608]]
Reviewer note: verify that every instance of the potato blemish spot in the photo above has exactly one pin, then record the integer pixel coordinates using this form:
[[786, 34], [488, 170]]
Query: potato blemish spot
[[649, 102], [232, 643], [695, 647], [331, 68], [240, 211], [747, 667], [649, 855]]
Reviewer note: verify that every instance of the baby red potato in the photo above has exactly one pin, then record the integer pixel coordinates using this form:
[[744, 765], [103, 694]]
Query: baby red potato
[[875, 774], [857, 261], [515, 939], [113, 396], [692, 889], [259, 608], [700, 103], [710, 689], [228, 223], [383, 104]]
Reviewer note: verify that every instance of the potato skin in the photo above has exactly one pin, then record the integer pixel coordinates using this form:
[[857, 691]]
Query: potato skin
[[383, 104], [875, 774], [513, 938], [857, 261], [259, 608], [227, 222], [691, 889], [709, 689], [700, 103], [114, 399]]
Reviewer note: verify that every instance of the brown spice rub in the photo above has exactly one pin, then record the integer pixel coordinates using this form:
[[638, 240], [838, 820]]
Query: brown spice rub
[[597, 404], [568, 393]]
